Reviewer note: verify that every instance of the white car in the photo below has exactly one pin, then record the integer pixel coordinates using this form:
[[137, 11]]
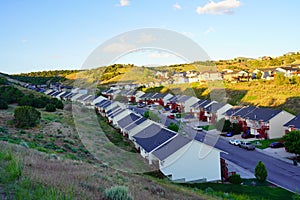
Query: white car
[[197, 128], [235, 142]]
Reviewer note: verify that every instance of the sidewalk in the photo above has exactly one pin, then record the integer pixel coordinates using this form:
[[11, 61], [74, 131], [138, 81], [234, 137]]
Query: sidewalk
[[278, 153], [239, 170]]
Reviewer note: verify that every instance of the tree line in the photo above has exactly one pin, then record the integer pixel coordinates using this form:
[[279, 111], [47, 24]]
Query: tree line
[[26, 114]]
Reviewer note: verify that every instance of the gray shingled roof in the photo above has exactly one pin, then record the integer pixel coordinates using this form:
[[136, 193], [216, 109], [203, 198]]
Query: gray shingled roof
[[264, 114], [152, 137], [128, 120], [294, 122], [171, 147], [136, 123]]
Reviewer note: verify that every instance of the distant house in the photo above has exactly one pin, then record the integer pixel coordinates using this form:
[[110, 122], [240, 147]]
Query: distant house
[[74, 98], [127, 120], [288, 71], [98, 99], [215, 111], [151, 138], [182, 103], [209, 76], [268, 123], [266, 73], [188, 160], [198, 109], [293, 124]]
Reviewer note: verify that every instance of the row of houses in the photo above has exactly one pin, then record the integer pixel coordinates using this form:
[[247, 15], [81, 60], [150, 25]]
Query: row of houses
[[178, 157], [263, 122]]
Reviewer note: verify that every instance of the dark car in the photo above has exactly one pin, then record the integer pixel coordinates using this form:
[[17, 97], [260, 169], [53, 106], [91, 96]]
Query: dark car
[[171, 116], [276, 145], [141, 105], [245, 136], [229, 134], [167, 108], [174, 111]]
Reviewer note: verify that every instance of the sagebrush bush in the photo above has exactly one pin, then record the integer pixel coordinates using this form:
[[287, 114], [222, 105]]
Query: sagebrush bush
[[118, 193]]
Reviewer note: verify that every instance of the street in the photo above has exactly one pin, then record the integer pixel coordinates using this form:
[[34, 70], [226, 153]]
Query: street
[[281, 173]]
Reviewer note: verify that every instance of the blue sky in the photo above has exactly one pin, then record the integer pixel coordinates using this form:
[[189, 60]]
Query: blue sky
[[60, 34]]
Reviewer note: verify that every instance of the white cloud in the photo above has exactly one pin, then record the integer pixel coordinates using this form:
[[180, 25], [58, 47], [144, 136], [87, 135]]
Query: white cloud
[[124, 3], [219, 8], [209, 30], [177, 6]]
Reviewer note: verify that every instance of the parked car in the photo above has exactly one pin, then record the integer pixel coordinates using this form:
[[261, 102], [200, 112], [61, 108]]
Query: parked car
[[235, 142], [245, 136], [229, 134], [174, 111], [141, 105], [198, 128], [171, 116], [167, 108], [276, 145], [247, 145]]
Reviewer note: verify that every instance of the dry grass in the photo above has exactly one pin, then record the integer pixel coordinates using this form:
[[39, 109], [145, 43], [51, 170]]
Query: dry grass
[[89, 181]]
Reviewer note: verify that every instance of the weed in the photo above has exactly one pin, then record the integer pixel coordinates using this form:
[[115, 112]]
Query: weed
[[118, 193]]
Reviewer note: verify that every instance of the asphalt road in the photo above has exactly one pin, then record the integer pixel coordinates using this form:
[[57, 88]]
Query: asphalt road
[[281, 173]]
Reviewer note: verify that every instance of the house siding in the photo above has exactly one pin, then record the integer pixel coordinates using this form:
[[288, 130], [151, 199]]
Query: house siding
[[277, 129], [187, 164]]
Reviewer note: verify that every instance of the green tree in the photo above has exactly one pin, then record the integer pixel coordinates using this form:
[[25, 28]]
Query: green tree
[[173, 127], [261, 172], [292, 142], [236, 129], [10, 94], [259, 75], [280, 79], [50, 107], [3, 81], [26, 100], [146, 114], [223, 125], [26, 116], [3, 104], [58, 103]]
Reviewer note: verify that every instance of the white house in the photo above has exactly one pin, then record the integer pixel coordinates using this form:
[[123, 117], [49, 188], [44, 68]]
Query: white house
[[98, 99], [151, 138], [76, 96], [186, 160]]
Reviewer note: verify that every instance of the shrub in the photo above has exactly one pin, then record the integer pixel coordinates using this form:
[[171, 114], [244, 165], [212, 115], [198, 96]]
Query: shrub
[[26, 116], [26, 101], [39, 102], [58, 103], [235, 179], [50, 107], [3, 104], [261, 172], [118, 193], [10, 94], [173, 127]]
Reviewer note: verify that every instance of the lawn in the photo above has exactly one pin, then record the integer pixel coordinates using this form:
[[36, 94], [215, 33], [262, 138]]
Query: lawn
[[259, 191], [263, 144]]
